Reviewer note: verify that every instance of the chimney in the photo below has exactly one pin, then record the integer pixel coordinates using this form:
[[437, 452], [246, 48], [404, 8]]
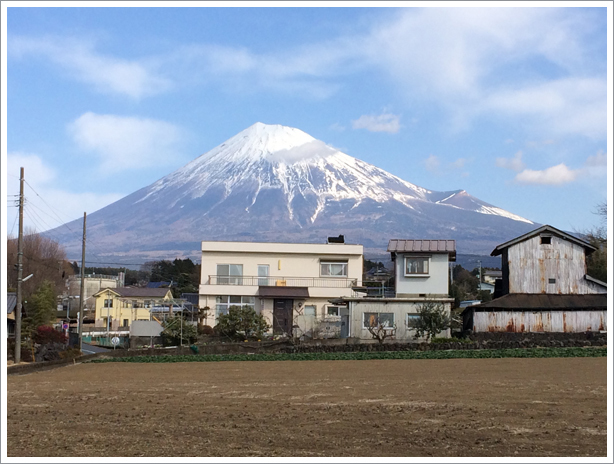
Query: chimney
[[340, 239]]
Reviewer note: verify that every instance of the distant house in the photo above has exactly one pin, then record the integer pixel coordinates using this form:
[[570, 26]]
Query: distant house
[[421, 273], [120, 306], [545, 287], [11, 303], [490, 276]]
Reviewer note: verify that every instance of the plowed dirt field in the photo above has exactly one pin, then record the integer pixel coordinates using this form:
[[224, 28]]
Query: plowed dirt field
[[458, 407]]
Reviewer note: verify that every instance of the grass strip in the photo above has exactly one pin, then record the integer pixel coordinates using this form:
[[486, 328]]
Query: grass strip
[[349, 356]]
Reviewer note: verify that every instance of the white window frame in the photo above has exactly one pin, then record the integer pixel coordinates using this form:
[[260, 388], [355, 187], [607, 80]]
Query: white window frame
[[378, 316], [416, 274], [328, 308], [324, 262], [222, 306], [229, 279], [412, 316]]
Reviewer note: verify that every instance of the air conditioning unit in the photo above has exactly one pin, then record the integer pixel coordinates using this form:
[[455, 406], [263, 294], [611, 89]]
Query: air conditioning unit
[[280, 283]]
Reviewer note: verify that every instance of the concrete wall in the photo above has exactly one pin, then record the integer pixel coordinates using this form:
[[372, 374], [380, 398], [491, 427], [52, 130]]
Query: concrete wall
[[434, 284], [400, 309]]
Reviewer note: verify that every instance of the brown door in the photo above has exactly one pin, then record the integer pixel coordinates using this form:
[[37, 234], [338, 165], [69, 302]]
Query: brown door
[[282, 317]]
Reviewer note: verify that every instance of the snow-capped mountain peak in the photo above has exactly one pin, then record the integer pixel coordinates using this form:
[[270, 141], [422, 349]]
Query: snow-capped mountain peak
[[277, 183]]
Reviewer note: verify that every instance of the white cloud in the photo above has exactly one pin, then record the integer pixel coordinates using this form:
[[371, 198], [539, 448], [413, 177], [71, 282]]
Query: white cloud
[[337, 127], [385, 122], [109, 74], [514, 163], [126, 142], [432, 164], [555, 175], [47, 204], [598, 160]]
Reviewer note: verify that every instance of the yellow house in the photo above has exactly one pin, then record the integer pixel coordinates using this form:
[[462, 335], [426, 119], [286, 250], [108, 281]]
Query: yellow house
[[120, 306]]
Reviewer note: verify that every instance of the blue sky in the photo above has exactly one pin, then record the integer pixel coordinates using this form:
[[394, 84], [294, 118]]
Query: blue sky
[[509, 104]]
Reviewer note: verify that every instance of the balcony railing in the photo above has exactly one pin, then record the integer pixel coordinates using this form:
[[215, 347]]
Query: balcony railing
[[274, 281]]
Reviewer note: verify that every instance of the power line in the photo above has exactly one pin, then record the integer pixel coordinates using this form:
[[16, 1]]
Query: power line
[[49, 206]]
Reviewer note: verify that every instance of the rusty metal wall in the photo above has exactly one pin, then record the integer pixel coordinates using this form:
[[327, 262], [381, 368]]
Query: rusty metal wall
[[532, 264], [544, 321]]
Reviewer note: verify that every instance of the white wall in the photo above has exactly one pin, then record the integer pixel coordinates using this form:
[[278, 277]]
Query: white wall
[[435, 284], [400, 309], [287, 261]]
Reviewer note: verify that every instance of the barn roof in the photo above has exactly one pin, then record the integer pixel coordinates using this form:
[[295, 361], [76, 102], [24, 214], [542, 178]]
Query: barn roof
[[544, 302], [541, 230], [423, 246]]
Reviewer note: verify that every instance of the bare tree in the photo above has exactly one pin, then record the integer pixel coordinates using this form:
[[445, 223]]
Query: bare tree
[[381, 332], [42, 257]]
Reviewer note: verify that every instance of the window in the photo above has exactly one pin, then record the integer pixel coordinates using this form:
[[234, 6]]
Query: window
[[147, 304], [412, 320], [417, 266], [263, 271], [108, 303], [332, 310], [375, 319], [125, 322], [333, 269], [222, 303], [228, 274], [552, 281], [135, 304], [310, 310], [546, 240]]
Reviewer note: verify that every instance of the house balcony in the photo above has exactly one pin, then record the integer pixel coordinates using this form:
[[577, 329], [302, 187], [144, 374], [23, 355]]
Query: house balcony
[[281, 281]]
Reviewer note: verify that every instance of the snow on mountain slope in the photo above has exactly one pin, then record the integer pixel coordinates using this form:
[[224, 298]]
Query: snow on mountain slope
[[277, 183], [285, 158]]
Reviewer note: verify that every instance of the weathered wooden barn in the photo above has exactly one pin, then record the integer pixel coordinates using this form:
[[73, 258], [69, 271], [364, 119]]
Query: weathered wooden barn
[[545, 288]]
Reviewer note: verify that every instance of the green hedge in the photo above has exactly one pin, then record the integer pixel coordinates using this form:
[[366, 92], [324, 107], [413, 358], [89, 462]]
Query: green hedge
[[447, 354]]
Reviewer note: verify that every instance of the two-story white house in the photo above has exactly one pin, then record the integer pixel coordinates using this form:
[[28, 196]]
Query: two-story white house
[[290, 284], [421, 271]]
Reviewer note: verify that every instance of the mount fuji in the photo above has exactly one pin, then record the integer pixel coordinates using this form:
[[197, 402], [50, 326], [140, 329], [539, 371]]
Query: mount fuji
[[275, 183]]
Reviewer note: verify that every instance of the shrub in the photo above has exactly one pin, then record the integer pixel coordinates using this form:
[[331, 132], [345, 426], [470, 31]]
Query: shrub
[[433, 319], [177, 331], [205, 330], [45, 334], [242, 322]]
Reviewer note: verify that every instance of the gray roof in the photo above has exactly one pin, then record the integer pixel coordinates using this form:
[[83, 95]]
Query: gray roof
[[422, 246], [544, 301], [548, 229], [136, 292], [11, 302], [283, 292]]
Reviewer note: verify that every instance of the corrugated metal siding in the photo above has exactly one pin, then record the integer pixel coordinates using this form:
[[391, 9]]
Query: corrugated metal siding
[[531, 264], [542, 321]]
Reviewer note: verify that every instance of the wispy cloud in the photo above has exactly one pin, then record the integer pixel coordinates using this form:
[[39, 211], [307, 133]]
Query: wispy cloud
[[385, 122], [555, 175], [126, 142], [47, 204], [436, 166], [80, 61], [432, 164], [595, 166], [514, 163]]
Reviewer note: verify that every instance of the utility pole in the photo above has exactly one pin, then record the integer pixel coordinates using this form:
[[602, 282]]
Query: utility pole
[[82, 290], [19, 274]]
